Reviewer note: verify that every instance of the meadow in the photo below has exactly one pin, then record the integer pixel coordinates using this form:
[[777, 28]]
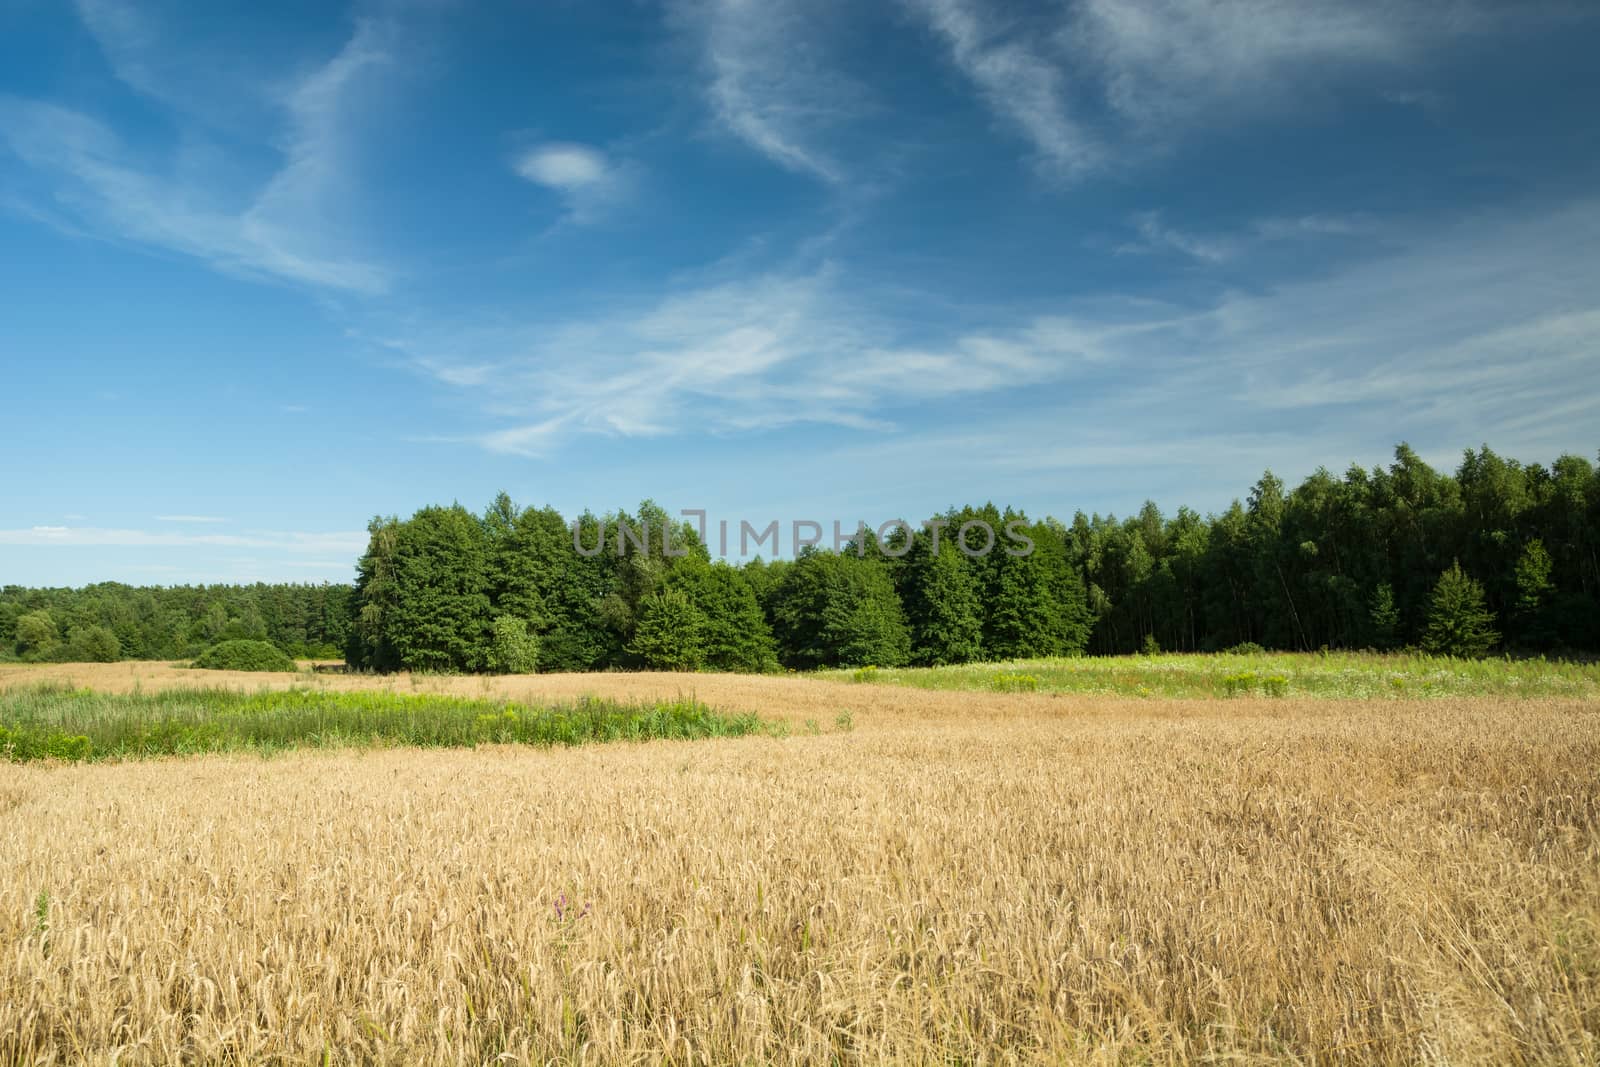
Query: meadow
[[904, 875], [1345, 675]]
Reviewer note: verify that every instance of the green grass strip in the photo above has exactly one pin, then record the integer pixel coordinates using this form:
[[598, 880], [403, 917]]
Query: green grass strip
[[1338, 675], [79, 724]]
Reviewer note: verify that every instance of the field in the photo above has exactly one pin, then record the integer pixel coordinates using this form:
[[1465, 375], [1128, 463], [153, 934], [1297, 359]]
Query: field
[[952, 875]]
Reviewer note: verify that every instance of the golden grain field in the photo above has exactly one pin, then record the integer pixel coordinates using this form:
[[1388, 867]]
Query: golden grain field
[[960, 877]]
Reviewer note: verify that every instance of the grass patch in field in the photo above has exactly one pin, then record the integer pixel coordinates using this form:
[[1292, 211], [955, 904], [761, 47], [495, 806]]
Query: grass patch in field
[[1353, 675], [80, 724]]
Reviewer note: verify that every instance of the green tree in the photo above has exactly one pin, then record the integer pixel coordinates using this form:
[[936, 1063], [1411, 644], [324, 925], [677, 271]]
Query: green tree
[[93, 644], [438, 616], [1534, 589], [37, 635], [836, 609], [670, 632], [371, 607], [736, 636], [1384, 617], [512, 649], [1458, 622], [1025, 617], [942, 604]]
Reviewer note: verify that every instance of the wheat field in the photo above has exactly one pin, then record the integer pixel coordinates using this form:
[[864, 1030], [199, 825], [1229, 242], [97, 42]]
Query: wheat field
[[940, 877]]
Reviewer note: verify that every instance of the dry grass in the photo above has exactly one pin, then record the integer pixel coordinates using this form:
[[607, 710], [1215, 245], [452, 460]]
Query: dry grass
[[993, 879]]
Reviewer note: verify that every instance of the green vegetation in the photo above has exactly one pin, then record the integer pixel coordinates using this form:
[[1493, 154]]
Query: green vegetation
[[244, 656], [67, 724], [111, 621], [1458, 622], [1500, 556], [1333, 674]]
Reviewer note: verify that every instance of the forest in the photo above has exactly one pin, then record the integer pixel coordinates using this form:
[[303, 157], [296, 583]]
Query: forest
[[1499, 556], [111, 621]]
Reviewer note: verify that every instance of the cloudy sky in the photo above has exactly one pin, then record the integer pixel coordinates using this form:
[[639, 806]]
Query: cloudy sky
[[267, 270]]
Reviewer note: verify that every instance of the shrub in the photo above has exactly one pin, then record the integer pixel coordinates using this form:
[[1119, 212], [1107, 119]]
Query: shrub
[[1236, 684], [1245, 648], [513, 650], [244, 656], [865, 674], [1276, 685], [1014, 683], [1151, 646]]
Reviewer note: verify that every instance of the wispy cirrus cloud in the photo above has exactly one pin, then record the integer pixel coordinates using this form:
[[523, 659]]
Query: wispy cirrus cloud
[[291, 228], [1406, 338], [785, 348], [769, 82], [1155, 235], [1020, 84], [339, 542], [1101, 83]]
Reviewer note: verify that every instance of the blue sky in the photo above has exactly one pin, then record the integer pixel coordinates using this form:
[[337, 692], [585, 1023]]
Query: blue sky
[[267, 270]]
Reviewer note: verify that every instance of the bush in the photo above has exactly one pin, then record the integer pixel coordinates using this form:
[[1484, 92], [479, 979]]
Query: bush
[[244, 656], [1014, 683], [513, 649], [1238, 684], [1245, 648]]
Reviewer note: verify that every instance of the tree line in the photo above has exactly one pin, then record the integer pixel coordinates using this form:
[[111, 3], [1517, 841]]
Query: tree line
[[112, 621], [1498, 556]]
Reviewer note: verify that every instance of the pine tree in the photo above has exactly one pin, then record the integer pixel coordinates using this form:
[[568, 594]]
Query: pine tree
[[1458, 622], [1383, 616]]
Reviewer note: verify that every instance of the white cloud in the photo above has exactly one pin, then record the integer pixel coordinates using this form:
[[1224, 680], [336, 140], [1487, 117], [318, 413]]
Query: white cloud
[[190, 518], [768, 81], [1310, 226], [292, 229], [1025, 88], [563, 166], [1456, 338], [1102, 83], [1163, 62], [591, 184], [782, 349], [1157, 236]]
